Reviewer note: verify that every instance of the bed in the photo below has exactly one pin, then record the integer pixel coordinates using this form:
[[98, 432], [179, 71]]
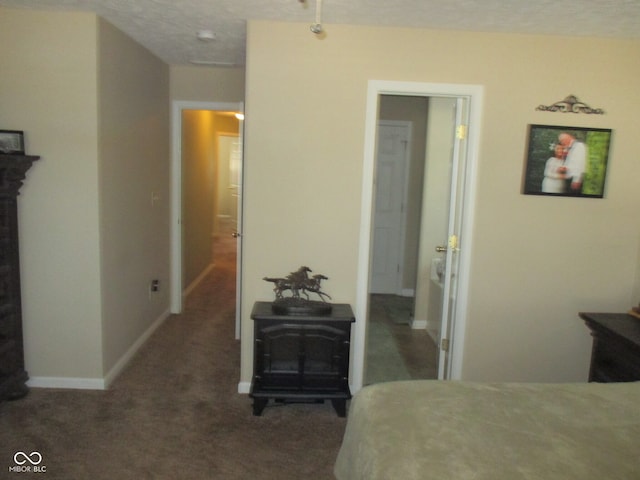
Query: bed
[[458, 430]]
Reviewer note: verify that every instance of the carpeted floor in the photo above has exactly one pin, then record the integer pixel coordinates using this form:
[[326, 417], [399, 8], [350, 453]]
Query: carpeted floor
[[174, 413]]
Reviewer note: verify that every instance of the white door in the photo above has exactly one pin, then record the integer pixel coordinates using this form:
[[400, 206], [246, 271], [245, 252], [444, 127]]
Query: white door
[[229, 155], [229, 198], [390, 200], [454, 241], [235, 167], [236, 174]]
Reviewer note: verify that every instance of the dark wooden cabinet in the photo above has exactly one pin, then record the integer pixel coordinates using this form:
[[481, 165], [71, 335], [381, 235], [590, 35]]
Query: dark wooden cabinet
[[615, 355], [13, 376], [301, 357]]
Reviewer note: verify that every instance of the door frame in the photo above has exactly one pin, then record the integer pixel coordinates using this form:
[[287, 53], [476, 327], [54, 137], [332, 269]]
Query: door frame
[[375, 89], [177, 106]]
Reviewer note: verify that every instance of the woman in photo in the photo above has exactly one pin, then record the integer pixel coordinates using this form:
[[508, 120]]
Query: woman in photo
[[555, 171]]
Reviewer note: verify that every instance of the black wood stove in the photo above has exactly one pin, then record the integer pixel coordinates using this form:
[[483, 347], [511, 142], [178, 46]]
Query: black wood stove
[[301, 358]]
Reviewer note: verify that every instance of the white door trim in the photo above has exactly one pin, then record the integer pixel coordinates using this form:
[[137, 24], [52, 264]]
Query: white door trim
[[177, 106], [382, 87]]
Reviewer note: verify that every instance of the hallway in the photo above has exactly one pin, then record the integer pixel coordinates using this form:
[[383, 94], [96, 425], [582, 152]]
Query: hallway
[[175, 411]]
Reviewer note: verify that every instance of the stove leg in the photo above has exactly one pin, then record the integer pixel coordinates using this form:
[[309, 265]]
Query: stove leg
[[258, 405], [340, 407]]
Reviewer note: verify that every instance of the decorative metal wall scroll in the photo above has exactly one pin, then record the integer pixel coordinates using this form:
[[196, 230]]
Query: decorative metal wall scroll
[[571, 104]]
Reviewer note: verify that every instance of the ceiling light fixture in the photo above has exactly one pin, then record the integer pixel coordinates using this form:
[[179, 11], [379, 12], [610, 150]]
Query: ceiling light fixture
[[206, 35], [213, 63], [317, 26]]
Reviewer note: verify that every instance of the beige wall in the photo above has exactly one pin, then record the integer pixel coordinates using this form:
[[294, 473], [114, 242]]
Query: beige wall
[[94, 106], [537, 261], [51, 94], [212, 84], [134, 189], [198, 194]]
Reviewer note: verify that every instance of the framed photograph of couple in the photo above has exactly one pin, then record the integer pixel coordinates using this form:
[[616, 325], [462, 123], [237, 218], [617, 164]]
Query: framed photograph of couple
[[566, 161]]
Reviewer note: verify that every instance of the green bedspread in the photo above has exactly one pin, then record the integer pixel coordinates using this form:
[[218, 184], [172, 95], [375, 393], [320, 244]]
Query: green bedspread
[[474, 431]]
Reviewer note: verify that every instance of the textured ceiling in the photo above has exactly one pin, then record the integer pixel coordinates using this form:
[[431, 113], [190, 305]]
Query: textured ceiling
[[168, 27]]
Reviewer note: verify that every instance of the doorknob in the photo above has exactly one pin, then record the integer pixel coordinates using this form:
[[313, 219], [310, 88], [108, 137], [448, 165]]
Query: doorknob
[[236, 234], [441, 248]]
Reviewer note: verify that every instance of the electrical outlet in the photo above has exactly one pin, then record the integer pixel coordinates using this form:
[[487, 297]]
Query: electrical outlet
[[154, 286]]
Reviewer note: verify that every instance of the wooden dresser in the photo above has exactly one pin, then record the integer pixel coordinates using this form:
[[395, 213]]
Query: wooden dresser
[[13, 376], [615, 355]]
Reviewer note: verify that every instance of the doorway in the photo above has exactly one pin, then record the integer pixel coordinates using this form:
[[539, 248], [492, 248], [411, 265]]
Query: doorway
[[399, 346], [472, 95], [206, 200]]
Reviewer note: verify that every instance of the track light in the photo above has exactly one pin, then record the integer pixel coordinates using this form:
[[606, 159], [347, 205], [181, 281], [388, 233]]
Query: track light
[[317, 26]]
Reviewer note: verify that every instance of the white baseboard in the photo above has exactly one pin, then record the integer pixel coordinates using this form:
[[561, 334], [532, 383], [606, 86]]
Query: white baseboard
[[408, 292], [434, 334], [67, 382], [197, 281], [99, 383], [418, 324], [130, 353]]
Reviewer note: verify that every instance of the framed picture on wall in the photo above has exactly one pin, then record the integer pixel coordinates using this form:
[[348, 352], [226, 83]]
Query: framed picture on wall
[[11, 142], [566, 161]]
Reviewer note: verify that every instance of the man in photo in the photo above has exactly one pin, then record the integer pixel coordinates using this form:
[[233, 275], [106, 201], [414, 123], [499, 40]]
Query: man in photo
[[575, 162]]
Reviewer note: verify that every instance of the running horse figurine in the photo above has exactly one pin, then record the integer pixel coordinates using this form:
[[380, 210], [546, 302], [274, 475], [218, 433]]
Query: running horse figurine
[[299, 283]]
